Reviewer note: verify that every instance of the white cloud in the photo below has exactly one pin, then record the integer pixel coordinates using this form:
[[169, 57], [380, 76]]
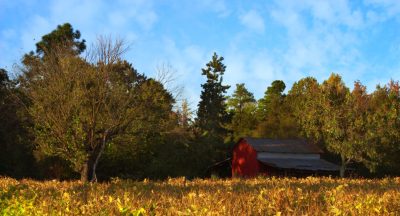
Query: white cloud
[[322, 37], [335, 12], [389, 8], [236, 71], [257, 69], [218, 6], [92, 19], [253, 20], [139, 11], [187, 61], [330, 12]]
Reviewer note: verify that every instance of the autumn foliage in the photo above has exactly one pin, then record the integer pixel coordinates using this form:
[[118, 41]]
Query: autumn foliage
[[259, 196]]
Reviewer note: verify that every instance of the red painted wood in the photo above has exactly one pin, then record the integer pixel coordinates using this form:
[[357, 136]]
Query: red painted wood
[[244, 160]]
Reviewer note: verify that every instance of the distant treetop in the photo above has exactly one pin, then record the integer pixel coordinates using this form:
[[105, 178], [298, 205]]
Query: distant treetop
[[63, 36]]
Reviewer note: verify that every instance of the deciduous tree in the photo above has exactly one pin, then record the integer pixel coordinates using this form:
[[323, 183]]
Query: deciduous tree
[[383, 128], [336, 123], [304, 99], [78, 105]]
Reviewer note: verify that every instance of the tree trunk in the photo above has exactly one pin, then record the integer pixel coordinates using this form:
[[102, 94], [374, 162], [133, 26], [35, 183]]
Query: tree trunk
[[88, 172], [84, 173], [343, 167]]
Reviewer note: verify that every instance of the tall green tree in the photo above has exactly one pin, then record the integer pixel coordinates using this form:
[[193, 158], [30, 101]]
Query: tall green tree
[[212, 116], [272, 100], [242, 107], [274, 116]]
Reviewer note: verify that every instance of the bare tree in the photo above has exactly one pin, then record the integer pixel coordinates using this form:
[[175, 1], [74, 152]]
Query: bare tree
[[185, 114], [168, 77]]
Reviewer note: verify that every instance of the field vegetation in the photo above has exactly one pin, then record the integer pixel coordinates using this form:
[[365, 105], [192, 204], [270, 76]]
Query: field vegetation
[[259, 196]]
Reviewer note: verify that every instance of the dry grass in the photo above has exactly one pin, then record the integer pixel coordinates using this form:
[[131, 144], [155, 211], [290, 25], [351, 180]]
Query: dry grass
[[273, 196]]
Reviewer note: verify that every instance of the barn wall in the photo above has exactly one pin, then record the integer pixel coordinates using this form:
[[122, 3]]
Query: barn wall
[[244, 160]]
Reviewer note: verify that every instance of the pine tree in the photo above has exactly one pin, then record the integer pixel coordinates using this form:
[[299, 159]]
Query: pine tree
[[273, 114], [272, 100], [242, 107], [64, 37], [211, 114]]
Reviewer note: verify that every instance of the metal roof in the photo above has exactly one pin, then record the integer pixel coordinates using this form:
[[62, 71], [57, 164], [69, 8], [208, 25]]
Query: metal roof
[[301, 164], [294, 146]]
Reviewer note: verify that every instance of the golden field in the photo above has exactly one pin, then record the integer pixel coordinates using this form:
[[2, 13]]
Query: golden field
[[259, 196]]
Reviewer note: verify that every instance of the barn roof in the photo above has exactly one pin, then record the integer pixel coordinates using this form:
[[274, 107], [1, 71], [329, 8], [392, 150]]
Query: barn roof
[[293, 146], [301, 164]]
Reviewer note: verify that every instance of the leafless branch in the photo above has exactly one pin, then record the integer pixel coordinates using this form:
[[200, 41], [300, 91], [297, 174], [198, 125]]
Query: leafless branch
[[168, 77]]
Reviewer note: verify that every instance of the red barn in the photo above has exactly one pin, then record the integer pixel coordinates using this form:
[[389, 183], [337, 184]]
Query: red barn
[[252, 157]]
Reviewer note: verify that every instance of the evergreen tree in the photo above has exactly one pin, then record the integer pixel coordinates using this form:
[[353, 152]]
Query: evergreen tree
[[240, 97], [272, 100], [273, 113], [211, 114], [242, 107], [64, 37]]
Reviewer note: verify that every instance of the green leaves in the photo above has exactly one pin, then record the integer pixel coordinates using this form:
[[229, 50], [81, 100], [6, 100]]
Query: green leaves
[[65, 36], [242, 107]]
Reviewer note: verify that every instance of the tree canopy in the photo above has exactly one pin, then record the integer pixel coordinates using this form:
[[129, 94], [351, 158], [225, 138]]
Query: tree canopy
[[74, 113], [64, 37], [242, 107], [78, 106]]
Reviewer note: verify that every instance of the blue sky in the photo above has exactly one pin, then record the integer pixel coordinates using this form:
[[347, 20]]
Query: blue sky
[[261, 41]]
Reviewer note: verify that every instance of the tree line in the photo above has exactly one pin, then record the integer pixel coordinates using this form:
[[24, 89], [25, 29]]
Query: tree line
[[84, 113]]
